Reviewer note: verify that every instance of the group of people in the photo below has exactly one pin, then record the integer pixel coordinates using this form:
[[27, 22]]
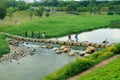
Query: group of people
[[43, 35], [76, 37]]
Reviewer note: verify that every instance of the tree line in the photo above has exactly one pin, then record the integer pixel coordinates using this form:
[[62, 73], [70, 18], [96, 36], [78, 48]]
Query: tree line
[[8, 7]]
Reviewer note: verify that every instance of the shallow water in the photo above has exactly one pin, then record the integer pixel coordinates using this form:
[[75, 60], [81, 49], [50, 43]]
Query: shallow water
[[34, 66], [97, 36]]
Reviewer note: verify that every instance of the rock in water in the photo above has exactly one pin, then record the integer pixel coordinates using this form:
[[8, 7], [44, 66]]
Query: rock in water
[[82, 53], [62, 47], [72, 53], [58, 51], [67, 49]]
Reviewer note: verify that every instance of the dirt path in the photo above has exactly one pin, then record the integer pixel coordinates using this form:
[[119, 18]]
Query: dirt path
[[103, 63]]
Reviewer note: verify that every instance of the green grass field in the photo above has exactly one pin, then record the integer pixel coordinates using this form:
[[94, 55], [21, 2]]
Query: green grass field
[[60, 24], [108, 72], [3, 46]]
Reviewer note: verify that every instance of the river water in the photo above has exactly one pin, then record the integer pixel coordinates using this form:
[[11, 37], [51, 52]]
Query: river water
[[34, 66], [45, 61], [97, 36]]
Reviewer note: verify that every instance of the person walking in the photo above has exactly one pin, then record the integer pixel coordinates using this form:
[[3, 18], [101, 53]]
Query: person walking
[[44, 35], [105, 41], [38, 35], [25, 33], [32, 34], [76, 37], [69, 37]]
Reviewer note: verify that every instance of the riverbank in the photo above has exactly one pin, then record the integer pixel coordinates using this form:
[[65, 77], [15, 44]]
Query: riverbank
[[102, 64], [16, 52], [83, 64], [110, 72]]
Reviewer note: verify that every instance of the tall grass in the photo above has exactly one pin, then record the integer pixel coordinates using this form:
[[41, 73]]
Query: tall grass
[[61, 25], [82, 64], [3, 46]]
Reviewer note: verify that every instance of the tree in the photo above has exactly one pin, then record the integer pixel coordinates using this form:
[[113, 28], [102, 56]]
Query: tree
[[10, 12], [114, 9], [40, 11], [2, 11], [72, 7], [31, 13], [23, 6]]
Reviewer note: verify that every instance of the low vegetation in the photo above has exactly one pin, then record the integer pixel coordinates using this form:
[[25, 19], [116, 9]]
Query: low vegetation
[[3, 46], [108, 72], [82, 64]]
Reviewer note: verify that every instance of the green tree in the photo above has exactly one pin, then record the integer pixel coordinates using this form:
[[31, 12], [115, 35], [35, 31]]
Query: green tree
[[2, 11], [10, 12], [23, 6], [72, 7], [31, 13], [115, 9], [40, 11]]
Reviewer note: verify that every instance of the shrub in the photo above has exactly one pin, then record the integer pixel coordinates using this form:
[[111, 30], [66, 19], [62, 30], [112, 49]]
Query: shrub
[[116, 49], [47, 14], [110, 13]]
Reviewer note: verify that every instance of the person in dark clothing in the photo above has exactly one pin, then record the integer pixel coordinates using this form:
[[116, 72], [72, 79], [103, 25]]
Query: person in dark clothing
[[25, 33], [69, 37], [76, 37], [105, 41], [32, 34]]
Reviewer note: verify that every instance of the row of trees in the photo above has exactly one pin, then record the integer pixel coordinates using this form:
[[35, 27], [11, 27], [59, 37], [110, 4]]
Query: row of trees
[[92, 6]]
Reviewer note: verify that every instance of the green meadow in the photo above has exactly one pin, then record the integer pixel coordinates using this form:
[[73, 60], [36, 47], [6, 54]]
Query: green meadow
[[59, 24], [108, 72]]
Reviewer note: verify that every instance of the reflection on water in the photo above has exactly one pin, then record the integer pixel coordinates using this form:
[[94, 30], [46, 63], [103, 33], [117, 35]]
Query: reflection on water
[[34, 67], [97, 36]]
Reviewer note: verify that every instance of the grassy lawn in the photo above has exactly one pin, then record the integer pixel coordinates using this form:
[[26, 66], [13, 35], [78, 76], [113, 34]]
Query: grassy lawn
[[60, 24], [108, 72], [3, 46]]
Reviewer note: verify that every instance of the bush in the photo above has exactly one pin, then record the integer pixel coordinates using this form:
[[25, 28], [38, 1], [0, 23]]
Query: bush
[[116, 49], [110, 13], [47, 14]]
